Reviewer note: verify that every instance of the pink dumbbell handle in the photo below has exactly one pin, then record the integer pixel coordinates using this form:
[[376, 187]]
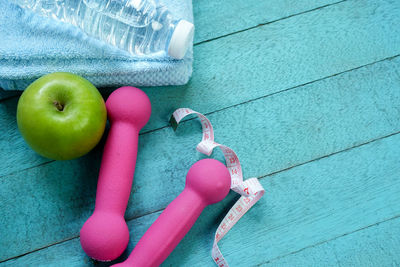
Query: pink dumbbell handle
[[207, 182], [105, 235], [117, 168], [167, 231]]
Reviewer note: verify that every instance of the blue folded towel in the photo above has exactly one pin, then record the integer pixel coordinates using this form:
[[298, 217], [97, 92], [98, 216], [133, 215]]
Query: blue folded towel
[[31, 46]]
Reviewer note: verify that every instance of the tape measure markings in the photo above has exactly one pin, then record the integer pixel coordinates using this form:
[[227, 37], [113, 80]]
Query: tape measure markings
[[250, 190]]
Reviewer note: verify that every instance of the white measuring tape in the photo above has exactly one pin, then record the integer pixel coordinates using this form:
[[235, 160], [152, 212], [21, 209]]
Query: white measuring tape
[[250, 190]]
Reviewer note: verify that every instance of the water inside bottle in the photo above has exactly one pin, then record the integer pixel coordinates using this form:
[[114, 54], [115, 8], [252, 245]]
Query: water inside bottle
[[136, 13]]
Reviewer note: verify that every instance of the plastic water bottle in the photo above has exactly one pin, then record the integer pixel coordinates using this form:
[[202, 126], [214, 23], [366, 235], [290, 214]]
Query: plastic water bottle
[[138, 26]]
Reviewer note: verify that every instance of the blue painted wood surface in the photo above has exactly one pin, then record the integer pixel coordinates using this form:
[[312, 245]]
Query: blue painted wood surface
[[228, 71], [308, 95]]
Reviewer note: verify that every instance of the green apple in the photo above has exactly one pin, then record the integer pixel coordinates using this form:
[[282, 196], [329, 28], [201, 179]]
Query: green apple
[[61, 116]]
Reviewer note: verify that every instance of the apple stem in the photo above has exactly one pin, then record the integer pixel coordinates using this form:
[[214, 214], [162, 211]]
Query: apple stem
[[58, 105]]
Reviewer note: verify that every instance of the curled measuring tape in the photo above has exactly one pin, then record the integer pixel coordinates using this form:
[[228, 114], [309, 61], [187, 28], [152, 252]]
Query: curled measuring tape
[[250, 190]]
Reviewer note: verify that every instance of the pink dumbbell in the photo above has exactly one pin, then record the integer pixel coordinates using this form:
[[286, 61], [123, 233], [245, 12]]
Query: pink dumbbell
[[207, 182], [105, 235]]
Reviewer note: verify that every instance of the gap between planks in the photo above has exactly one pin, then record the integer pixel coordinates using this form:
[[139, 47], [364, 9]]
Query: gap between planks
[[328, 240], [261, 177], [235, 105], [232, 33], [279, 92], [269, 22]]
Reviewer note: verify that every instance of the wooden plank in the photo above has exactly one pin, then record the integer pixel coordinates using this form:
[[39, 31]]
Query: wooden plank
[[15, 154], [324, 200], [281, 131], [377, 245], [218, 18], [307, 205], [315, 204], [229, 71], [212, 23], [282, 55]]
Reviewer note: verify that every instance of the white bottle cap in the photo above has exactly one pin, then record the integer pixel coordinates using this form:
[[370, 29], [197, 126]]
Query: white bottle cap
[[181, 39]]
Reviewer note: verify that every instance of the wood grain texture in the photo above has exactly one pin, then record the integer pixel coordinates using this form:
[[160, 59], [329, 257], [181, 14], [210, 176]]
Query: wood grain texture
[[282, 55], [376, 245], [316, 206], [214, 19], [307, 205], [281, 131], [15, 154], [229, 71], [212, 23], [275, 96]]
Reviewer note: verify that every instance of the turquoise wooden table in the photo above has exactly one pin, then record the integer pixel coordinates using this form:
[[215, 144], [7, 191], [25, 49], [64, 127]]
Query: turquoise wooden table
[[308, 95]]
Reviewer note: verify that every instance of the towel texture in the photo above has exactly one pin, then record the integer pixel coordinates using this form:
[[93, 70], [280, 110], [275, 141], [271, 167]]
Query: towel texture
[[31, 46]]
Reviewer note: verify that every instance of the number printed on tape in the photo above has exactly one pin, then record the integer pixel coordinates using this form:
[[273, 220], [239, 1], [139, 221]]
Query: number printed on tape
[[250, 190]]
